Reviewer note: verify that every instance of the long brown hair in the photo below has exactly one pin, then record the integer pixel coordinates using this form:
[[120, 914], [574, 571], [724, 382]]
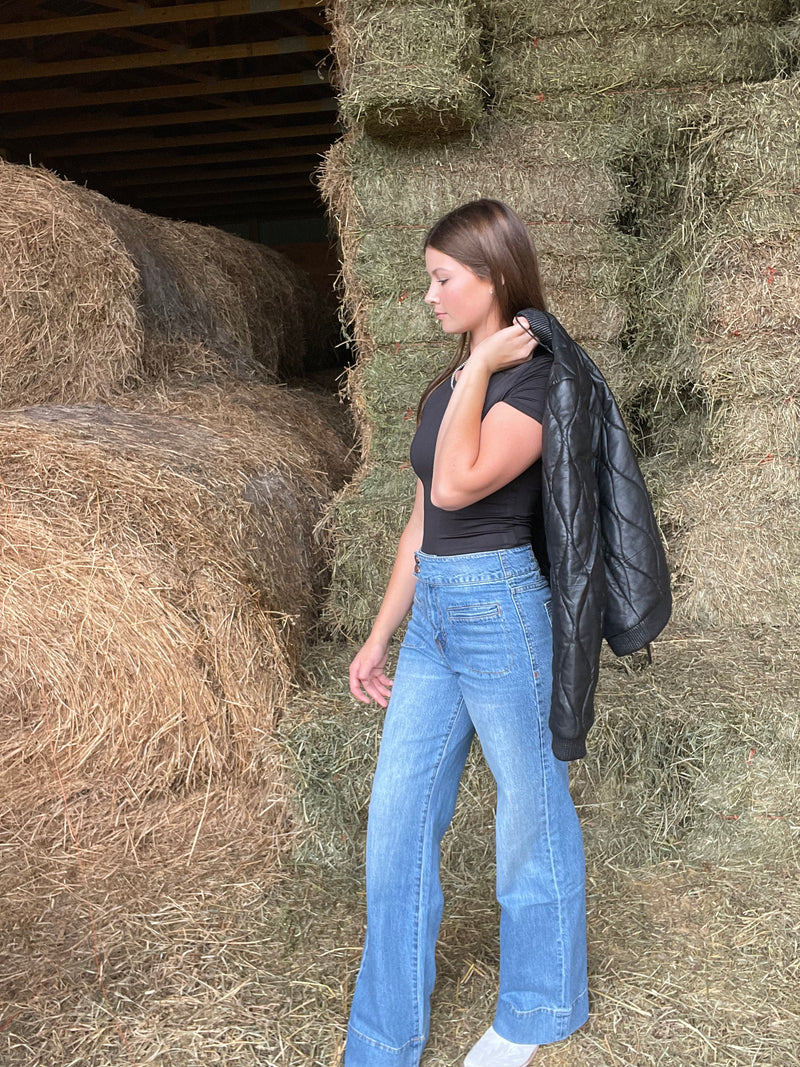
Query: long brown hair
[[490, 239]]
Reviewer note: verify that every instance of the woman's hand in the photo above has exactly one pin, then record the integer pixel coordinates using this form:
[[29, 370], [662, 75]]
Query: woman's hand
[[367, 679], [507, 348]]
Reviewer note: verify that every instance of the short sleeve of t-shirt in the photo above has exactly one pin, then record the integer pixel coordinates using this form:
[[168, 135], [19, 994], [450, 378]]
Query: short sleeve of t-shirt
[[523, 387]]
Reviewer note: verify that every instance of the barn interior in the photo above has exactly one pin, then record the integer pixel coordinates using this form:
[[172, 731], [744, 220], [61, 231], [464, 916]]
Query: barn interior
[[216, 113], [192, 546]]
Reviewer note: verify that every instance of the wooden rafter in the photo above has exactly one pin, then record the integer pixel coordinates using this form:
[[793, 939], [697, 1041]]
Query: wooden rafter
[[91, 146], [151, 161], [57, 99], [199, 176], [281, 202], [96, 123], [224, 188], [20, 69], [140, 15]]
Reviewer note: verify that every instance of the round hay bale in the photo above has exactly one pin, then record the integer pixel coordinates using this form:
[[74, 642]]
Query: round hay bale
[[69, 294], [254, 312], [160, 573], [98, 297], [408, 67]]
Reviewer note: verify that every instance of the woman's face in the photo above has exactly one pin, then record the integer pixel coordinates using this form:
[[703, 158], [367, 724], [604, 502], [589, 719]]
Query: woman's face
[[462, 301]]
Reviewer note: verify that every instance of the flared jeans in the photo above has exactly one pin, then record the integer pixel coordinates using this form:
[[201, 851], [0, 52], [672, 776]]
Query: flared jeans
[[477, 657]]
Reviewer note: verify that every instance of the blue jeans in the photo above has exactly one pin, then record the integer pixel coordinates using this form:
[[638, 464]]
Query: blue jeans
[[477, 656]]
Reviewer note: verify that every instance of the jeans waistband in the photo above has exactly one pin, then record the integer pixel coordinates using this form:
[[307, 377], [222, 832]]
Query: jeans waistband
[[473, 567]]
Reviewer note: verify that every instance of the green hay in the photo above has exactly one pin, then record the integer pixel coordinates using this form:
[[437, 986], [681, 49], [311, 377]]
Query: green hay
[[717, 292], [723, 308], [394, 379], [732, 532], [211, 954], [728, 145], [408, 67], [367, 520], [374, 184], [587, 315], [734, 368], [390, 260], [589, 63], [542, 18], [679, 762], [678, 765]]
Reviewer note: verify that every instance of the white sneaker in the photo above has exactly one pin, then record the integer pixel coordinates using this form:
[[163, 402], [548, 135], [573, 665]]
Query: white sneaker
[[494, 1051]]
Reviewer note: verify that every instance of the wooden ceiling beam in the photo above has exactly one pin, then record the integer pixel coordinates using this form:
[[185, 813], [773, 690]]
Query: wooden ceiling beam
[[21, 69], [91, 146], [168, 177], [141, 15], [96, 123], [224, 189], [163, 160], [266, 206], [58, 99]]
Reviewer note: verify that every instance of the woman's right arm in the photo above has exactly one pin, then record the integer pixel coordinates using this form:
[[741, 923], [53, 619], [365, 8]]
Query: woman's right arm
[[367, 678]]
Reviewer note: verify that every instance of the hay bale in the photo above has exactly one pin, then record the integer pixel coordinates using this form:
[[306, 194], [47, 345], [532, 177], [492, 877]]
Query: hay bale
[[589, 63], [389, 260], [254, 310], [408, 67], [366, 521], [542, 18], [160, 575], [717, 304], [69, 328], [386, 185], [732, 533], [98, 297]]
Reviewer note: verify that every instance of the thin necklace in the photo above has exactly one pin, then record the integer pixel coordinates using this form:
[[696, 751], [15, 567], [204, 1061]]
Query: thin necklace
[[460, 367]]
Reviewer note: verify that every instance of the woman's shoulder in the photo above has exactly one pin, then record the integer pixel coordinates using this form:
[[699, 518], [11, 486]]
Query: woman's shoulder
[[532, 374]]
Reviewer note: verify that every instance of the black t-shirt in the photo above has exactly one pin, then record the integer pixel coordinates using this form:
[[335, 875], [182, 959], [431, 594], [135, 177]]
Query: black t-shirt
[[510, 516]]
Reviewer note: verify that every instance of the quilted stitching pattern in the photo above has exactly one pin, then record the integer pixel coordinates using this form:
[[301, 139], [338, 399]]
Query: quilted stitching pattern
[[608, 569]]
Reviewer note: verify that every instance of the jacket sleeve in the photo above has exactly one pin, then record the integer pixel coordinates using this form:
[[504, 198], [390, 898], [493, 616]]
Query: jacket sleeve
[[577, 578], [638, 598]]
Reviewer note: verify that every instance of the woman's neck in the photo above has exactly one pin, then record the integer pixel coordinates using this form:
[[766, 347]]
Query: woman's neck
[[491, 325]]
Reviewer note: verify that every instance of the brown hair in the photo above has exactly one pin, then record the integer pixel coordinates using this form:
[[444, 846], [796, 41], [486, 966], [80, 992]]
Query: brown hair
[[490, 239]]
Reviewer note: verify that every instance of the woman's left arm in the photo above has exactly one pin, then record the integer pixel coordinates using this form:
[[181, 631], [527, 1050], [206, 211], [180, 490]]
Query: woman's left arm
[[475, 457]]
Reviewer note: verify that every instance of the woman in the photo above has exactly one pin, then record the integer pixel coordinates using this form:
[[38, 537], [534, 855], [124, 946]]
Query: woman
[[476, 658]]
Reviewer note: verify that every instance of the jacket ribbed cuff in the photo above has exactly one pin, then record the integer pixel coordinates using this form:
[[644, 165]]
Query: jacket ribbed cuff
[[566, 748]]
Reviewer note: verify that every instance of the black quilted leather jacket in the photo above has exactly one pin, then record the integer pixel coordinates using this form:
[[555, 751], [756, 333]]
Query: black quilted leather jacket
[[608, 570]]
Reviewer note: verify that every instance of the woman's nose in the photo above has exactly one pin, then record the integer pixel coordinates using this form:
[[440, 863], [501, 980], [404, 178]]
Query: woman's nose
[[429, 297]]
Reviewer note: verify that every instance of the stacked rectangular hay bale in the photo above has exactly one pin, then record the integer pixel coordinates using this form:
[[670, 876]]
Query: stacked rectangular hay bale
[[585, 103]]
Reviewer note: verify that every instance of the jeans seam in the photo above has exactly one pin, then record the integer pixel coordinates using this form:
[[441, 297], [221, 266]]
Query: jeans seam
[[380, 1044], [418, 1005], [543, 741], [551, 1011]]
